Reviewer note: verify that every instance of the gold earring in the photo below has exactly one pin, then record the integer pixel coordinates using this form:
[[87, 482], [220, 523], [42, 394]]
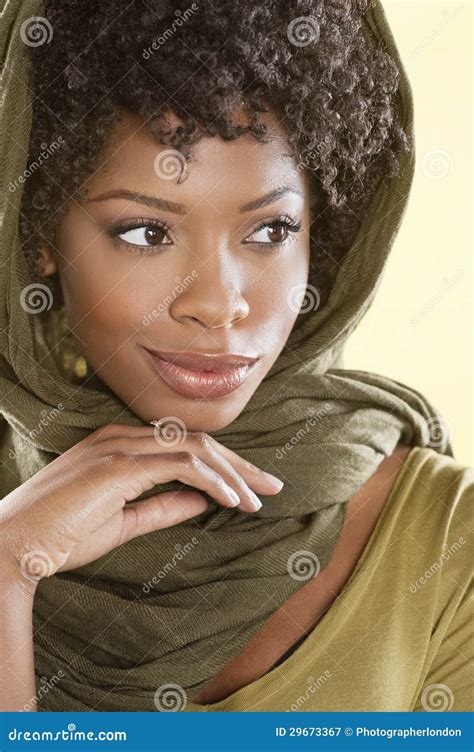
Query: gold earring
[[73, 364], [80, 367]]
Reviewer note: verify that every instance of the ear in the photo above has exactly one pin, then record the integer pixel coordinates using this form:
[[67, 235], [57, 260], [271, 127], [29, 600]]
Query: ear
[[48, 261]]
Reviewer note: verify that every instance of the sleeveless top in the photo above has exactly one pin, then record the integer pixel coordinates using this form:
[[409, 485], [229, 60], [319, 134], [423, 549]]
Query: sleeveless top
[[399, 635]]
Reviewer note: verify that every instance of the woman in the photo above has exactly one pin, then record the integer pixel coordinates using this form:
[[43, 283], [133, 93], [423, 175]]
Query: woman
[[201, 509]]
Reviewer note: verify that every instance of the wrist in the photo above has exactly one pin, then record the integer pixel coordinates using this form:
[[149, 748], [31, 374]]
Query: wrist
[[14, 583]]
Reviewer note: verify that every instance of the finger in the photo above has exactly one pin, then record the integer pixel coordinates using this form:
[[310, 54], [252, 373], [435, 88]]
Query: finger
[[163, 510], [117, 430], [258, 479], [206, 448], [150, 469], [202, 448], [251, 475], [249, 501]]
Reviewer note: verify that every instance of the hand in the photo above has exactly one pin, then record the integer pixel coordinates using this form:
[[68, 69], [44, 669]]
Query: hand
[[75, 509]]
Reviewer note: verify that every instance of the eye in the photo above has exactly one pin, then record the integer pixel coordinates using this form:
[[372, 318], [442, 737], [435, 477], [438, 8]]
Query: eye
[[145, 235], [141, 234], [274, 232]]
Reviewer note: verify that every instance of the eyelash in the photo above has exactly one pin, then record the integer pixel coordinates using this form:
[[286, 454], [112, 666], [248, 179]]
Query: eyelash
[[284, 220], [136, 224]]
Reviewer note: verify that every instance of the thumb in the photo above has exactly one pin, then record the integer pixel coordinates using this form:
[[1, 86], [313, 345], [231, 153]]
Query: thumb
[[163, 510]]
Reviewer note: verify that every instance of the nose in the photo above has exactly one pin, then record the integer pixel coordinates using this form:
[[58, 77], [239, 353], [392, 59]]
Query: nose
[[211, 299]]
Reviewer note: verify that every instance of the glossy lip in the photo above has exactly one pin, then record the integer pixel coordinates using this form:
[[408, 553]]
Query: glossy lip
[[203, 375]]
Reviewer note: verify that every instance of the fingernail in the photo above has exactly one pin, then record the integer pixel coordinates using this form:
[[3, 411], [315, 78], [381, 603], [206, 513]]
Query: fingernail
[[256, 503], [274, 481], [234, 496]]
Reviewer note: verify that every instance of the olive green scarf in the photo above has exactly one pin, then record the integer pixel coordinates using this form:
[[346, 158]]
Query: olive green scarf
[[158, 617]]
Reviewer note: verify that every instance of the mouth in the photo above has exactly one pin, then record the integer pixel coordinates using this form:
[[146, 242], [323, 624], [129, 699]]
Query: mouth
[[202, 375]]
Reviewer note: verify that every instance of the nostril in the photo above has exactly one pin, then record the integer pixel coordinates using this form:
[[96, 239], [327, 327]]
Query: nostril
[[219, 311], [213, 325]]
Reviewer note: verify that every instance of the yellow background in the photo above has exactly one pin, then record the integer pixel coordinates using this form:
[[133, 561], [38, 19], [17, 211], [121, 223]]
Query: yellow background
[[419, 330]]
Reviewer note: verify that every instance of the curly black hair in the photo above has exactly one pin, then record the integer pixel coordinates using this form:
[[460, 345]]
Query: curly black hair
[[309, 61]]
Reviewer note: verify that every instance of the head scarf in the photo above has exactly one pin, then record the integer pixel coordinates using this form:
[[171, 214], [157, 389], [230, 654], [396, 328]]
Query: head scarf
[[165, 612]]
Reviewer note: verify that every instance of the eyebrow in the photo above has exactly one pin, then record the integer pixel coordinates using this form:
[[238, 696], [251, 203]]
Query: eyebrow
[[269, 198], [171, 206]]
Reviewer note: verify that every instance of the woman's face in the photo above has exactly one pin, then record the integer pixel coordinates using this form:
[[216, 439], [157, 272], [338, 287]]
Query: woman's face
[[207, 265]]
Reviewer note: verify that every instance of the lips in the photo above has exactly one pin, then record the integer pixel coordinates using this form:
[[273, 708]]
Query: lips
[[201, 375]]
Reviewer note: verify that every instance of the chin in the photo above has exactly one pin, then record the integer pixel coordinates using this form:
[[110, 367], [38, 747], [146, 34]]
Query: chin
[[187, 413], [194, 414]]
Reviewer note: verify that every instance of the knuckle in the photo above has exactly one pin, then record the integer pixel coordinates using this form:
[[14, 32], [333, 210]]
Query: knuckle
[[187, 460], [201, 439], [115, 445], [117, 462], [250, 466]]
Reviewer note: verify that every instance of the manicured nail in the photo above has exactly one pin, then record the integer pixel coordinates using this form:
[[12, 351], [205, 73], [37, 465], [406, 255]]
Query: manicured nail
[[274, 481], [255, 501], [234, 496]]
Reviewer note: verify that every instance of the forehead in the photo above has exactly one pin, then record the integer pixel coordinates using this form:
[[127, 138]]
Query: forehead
[[219, 171]]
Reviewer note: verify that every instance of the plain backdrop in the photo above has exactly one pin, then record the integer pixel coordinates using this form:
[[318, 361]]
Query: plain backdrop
[[419, 330]]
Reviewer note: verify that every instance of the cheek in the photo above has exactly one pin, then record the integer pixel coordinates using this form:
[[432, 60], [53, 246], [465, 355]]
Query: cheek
[[277, 294], [98, 296], [106, 289]]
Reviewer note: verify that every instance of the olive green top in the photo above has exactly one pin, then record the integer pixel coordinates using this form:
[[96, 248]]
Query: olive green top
[[399, 636]]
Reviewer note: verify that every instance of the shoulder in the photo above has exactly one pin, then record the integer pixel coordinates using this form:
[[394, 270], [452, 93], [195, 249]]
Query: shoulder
[[437, 494], [419, 507], [432, 502], [440, 491], [433, 490]]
